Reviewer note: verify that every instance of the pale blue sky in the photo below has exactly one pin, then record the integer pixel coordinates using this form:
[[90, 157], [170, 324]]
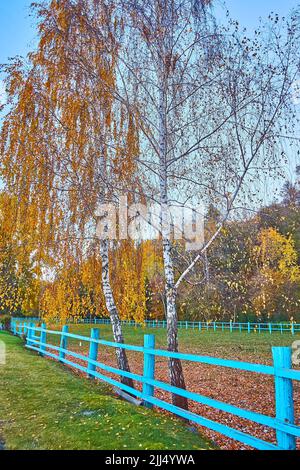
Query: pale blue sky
[[17, 32]]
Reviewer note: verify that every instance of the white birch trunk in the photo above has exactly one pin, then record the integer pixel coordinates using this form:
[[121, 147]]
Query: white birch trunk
[[122, 360], [175, 367], [113, 312]]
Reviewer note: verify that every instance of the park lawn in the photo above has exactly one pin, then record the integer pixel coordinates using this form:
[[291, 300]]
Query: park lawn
[[253, 347], [43, 405]]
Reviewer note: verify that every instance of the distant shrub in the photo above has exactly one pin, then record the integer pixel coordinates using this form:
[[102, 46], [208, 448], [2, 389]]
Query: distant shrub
[[5, 321]]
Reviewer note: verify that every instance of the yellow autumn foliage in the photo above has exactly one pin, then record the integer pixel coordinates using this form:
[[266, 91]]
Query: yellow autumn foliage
[[276, 258]]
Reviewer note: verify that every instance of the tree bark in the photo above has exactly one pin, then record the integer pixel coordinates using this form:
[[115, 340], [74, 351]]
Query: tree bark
[[113, 313], [175, 366]]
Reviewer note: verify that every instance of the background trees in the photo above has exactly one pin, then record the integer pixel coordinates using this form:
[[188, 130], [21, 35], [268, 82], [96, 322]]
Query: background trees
[[65, 147], [253, 270]]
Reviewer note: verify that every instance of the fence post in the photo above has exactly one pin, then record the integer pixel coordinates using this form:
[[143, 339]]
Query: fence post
[[63, 342], [15, 328], [249, 327], [93, 354], [230, 326], [43, 339], [32, 331], [29, 334], [293, 329], [149, 369], [270, 328], [284, 403]]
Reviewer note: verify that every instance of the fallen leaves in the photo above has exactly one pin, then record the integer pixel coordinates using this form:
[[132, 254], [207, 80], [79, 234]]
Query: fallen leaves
[[245, 390]]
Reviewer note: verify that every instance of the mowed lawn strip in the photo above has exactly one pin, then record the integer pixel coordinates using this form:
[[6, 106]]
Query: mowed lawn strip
[[43, 405]]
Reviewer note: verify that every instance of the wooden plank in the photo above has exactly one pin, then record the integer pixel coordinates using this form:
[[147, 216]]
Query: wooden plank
[[93, 353], [63, 342], [149, 368], [284, 403], [127, 397]]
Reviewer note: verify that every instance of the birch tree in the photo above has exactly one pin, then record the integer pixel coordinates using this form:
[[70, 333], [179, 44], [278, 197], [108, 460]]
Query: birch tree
[[210, 105], [65, 147]]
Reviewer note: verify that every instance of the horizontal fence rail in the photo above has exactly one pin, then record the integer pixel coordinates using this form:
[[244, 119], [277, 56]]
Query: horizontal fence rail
[[283, 423], [249, 327]]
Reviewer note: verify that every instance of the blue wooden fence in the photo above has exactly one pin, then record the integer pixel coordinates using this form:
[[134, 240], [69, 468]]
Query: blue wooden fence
[[249, 327], [281, 370]]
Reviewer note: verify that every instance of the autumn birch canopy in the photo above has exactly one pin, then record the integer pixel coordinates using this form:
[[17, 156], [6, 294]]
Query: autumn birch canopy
[[67, 145], [209, 104]]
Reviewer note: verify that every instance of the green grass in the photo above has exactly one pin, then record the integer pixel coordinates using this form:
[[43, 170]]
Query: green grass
[[44, 405], [244, 346]]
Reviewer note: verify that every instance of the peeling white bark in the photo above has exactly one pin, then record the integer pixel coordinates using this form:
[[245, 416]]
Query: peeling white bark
[[112, 310], [175, 367], [122, 360]]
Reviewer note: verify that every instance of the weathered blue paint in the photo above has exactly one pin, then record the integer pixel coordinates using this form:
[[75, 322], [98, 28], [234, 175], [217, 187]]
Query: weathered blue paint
[[43, 339], [149, 369], [93, 353], [30, 333], [282, 358], [63, 342], [33, 330]]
